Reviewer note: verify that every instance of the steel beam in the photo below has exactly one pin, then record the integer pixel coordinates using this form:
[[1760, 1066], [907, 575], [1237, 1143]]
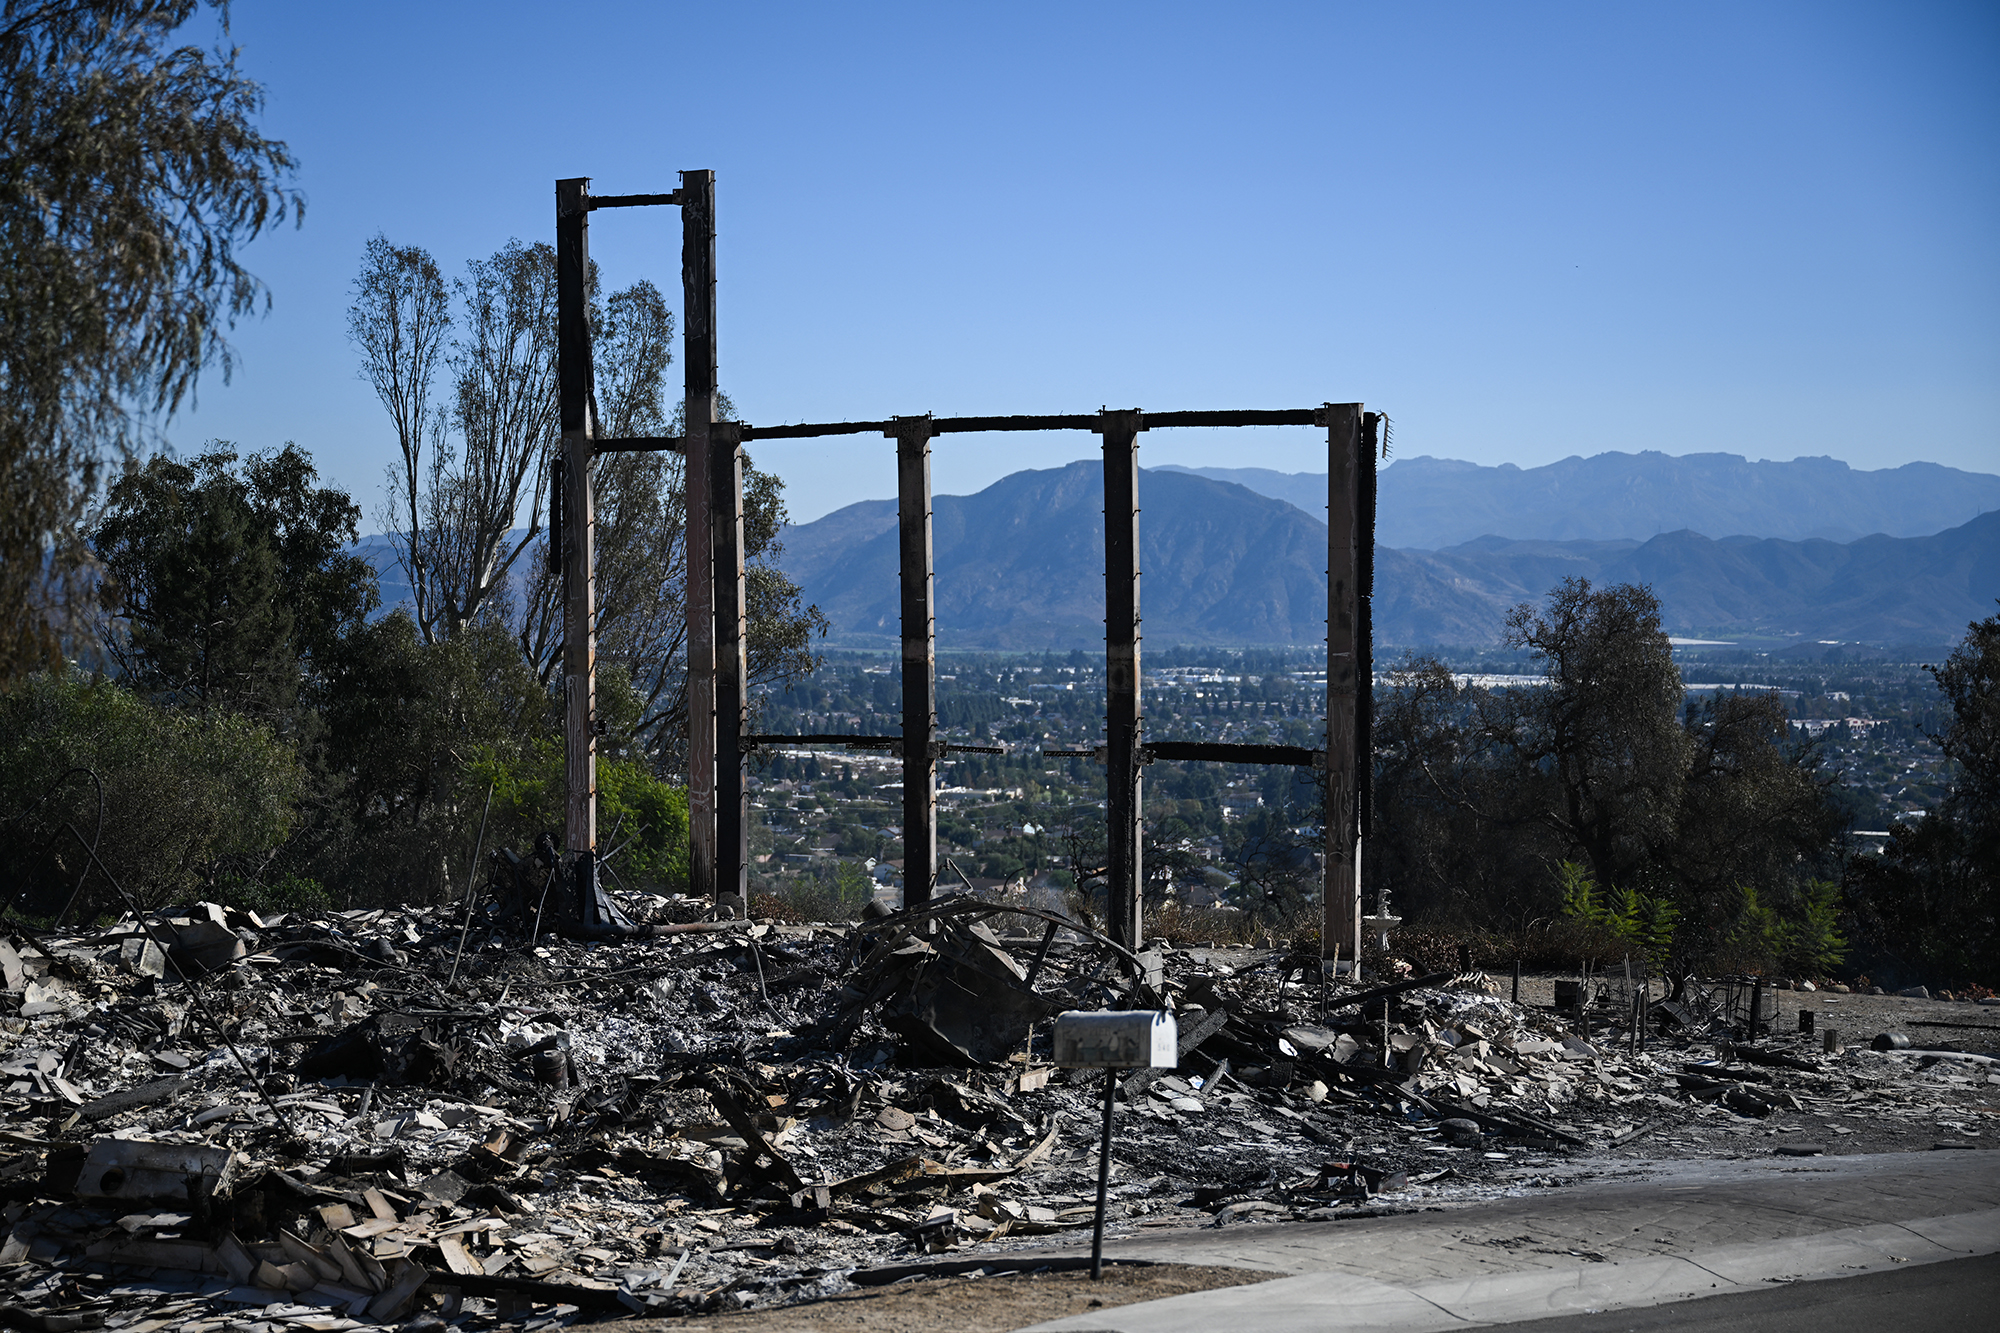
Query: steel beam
[[573, 380], [732, 668], [920, 755], [1341, 893], [1090, 421], [697, 194], [1125, 870], [633, 200]]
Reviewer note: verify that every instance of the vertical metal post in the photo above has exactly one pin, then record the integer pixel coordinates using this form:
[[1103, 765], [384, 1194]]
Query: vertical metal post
[[920, 750], [1125, 872], [698, 361], [1341, 893], [732, 668], [573, 379], [1103, 1177]]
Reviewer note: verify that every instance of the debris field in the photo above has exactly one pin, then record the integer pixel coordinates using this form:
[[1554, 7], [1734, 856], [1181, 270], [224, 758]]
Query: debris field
[[346, 1120]]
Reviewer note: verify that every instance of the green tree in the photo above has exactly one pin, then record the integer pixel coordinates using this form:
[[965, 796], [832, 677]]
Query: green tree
[[131, 172], [1456, 840], [405, 722], [1931, 903], [1482, 797], [1970, 680], [227, 582], [1756, 808], [1599, 744]]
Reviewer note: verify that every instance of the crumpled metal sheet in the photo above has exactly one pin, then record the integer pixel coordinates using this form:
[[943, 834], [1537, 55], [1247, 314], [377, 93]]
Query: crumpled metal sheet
[[963, 1016]]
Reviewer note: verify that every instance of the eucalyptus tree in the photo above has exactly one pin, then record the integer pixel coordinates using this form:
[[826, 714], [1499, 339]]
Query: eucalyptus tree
[[131, 170], [474, 466], [401, 322], [469, 490]]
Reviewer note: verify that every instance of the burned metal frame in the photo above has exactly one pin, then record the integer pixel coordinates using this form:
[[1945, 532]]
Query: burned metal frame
[[1125, 753], [719, 740]]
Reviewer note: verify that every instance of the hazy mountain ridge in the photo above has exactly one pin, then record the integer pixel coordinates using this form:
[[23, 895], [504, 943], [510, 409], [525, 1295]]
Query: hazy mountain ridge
[[1020, 565], [1433, 503]]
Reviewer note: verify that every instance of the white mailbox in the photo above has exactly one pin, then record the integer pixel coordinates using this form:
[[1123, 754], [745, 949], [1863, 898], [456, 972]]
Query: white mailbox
[[1133, 1039]]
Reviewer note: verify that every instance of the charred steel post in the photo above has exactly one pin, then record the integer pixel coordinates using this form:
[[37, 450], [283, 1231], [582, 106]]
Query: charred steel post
[[1124, 870], [920, 748], [1341, 894], [573, 377], [698, 325], [732, 671]]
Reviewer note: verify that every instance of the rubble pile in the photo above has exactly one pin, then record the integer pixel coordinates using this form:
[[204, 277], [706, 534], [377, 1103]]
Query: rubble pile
[[356, 1119]]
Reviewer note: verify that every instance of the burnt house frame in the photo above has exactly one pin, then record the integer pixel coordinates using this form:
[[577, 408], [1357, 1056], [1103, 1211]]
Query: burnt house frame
[[719, 740]]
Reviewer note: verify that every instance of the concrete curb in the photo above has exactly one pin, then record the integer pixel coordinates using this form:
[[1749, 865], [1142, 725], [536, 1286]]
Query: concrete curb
[[1313, 1301]]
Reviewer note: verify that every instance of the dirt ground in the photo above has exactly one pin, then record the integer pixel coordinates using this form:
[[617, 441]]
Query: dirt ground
[[964, 1304]]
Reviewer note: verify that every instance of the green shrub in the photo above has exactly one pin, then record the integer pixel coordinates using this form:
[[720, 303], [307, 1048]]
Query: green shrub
[[189, 798], [1645, 924], [651, 819], [285, 892], [1810, 943], [640, 815], [1800, 936]]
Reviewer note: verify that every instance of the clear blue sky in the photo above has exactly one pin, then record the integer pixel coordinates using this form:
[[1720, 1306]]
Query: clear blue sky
[[1524, 230]]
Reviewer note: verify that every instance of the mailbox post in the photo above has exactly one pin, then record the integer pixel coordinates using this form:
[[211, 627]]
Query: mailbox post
[[1131, 1039]]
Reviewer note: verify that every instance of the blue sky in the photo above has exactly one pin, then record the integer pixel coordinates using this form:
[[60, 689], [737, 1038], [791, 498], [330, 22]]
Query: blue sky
[[1524, 230]]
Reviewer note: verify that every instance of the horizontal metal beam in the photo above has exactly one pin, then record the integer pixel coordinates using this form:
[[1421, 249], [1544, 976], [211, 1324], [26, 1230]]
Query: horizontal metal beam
[[631, 200], [1085, 421], [858, 742], [659, 444], [870, 743], [1223, 753], [1306, 416]]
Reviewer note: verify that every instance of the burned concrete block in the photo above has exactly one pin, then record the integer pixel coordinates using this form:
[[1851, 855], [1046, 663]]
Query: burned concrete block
[[134, 1169]]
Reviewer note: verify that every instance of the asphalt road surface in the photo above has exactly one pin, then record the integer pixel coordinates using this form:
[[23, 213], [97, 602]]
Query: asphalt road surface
[[1958, 1296]]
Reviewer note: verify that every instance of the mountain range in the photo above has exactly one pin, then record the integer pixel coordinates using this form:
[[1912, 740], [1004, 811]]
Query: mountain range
[[1020, 565], [1433, 503]]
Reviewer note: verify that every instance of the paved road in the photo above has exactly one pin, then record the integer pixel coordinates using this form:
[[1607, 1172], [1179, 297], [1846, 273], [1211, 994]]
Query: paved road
[[1959, 1296], [1675, 1232]]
